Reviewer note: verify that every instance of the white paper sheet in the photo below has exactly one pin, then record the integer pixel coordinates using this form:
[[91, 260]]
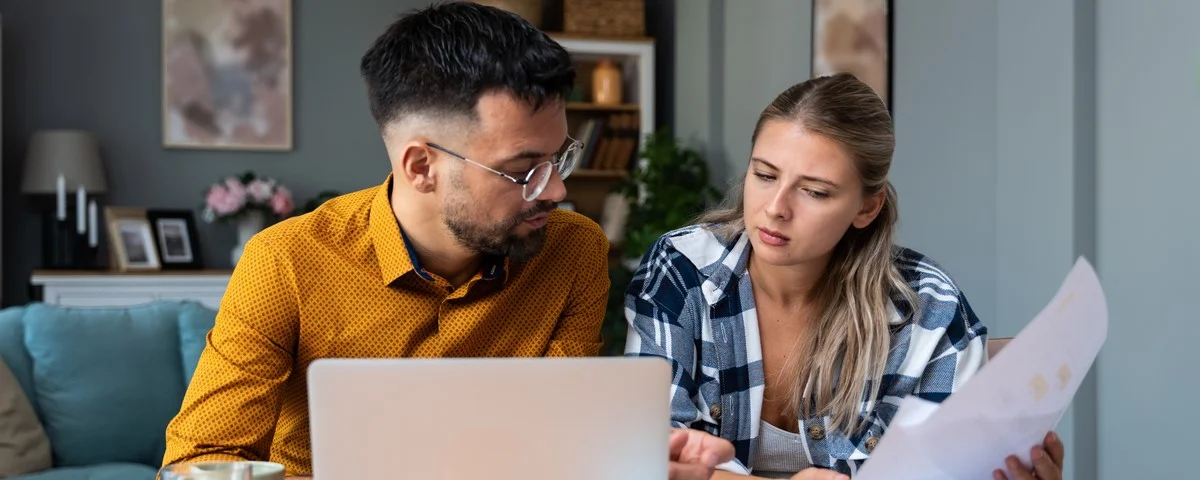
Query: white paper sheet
[[1010, 404]]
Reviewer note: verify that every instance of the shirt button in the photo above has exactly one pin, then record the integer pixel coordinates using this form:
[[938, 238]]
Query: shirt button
[[871, 443], [816, 432], [715, 412]]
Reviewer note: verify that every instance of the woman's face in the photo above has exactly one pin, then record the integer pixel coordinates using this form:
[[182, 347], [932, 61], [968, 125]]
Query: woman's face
[[802, 193]]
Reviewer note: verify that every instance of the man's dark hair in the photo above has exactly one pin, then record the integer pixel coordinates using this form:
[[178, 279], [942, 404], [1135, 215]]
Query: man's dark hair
[[440, 59]]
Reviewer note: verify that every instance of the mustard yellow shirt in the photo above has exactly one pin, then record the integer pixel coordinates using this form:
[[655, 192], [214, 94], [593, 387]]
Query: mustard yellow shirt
[[341, 282]]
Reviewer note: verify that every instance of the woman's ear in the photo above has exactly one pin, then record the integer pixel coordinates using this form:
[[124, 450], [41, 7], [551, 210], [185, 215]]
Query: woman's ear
[[872, 204]]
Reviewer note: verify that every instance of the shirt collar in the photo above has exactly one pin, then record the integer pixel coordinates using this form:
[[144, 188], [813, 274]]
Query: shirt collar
[[392, 249], [395, 251], [718, 261]]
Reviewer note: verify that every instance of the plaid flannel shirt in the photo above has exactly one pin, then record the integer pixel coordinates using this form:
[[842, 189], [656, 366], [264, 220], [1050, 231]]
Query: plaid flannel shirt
[[691, 302]]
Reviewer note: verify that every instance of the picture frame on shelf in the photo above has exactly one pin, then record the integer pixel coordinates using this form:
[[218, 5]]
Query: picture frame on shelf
[[131, 240], [177, 238], [239, 99]]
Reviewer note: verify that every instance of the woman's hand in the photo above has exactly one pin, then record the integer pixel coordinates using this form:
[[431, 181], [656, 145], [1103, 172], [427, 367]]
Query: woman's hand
[[814, 473], [694, 455], [1047, 462]]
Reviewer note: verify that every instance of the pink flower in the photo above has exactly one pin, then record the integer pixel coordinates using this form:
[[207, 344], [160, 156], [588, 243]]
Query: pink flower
[[236, 189], [260, 190], [281, 202], [222, 201]]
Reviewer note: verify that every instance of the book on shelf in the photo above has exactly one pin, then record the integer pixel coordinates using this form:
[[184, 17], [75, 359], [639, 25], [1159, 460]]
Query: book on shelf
[[610, 142]]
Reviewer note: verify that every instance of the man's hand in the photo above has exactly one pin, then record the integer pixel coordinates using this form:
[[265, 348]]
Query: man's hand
[[696, 454], [1047, 462]]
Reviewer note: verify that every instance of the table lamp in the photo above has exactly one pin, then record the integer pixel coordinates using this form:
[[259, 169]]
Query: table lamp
[[66, 165]]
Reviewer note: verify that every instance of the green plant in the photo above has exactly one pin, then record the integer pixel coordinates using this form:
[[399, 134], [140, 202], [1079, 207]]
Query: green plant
[[666, 192]]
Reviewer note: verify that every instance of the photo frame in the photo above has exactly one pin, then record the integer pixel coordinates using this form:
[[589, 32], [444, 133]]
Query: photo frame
[[227, 74], [176, 239], [131, 242], [855, 36]]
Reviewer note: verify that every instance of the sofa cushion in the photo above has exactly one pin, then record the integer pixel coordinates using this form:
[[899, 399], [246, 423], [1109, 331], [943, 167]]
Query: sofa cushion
[[195, 321], [103, 471], [24, 447], [12, 349], [107, 380]]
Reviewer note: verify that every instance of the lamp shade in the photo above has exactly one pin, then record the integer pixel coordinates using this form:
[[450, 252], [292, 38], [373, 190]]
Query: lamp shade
[[74, 154]]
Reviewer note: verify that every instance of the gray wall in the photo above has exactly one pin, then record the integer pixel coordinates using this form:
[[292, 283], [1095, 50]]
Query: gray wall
[[96, 65], [995, 160], [1148, 86]]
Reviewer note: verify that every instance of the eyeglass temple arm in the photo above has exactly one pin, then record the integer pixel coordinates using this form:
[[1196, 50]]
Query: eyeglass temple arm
[[485, 167]]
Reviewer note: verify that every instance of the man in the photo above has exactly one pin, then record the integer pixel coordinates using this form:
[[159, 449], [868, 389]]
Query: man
[[460, 252]]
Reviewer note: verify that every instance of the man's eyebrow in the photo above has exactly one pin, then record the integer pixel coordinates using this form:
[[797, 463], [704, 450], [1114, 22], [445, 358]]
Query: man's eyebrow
[[523, 156]]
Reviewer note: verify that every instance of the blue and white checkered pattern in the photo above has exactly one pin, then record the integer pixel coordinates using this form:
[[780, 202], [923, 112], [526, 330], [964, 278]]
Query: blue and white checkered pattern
[[691, 302]]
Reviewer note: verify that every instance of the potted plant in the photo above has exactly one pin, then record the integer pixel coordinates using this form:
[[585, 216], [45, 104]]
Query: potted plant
[[669, 189]]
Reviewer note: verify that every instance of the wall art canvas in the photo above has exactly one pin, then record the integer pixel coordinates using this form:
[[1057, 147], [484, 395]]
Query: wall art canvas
[[227, 74], [854, 36]]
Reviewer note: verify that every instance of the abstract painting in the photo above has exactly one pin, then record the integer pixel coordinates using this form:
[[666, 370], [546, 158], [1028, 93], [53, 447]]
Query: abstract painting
[[854, 36], [227, 74]]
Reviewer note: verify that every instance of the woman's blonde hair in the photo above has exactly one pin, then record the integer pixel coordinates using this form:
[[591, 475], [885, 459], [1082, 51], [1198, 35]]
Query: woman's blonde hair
[[848, 348]]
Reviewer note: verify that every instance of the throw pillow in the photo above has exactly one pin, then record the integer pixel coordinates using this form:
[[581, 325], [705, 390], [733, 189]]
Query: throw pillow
[[24, 447]]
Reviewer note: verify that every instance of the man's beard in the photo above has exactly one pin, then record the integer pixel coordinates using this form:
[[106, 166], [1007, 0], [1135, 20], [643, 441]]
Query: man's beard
[[496, 239]]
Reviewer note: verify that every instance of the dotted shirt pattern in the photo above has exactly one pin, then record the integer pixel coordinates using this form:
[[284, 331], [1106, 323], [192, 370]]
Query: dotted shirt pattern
[[341, 282]]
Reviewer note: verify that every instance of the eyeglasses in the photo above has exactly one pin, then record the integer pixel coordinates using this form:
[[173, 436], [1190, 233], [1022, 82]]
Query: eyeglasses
[[536, 178]]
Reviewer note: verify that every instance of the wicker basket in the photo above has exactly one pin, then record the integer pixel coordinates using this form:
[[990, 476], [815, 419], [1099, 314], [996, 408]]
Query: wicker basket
[[530, 10], [608, 18]]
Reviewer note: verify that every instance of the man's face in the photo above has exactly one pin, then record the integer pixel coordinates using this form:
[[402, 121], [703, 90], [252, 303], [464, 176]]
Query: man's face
[[487, 212]]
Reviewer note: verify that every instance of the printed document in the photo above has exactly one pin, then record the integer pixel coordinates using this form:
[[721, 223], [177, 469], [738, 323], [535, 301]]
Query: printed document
[[1010, 404]]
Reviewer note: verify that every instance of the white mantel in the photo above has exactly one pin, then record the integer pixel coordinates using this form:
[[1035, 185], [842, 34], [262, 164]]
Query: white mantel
[[122, 289]]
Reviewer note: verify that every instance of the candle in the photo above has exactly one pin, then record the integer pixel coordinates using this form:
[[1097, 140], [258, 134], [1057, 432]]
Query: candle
[[61, 198], [91, 214], [80, 205]]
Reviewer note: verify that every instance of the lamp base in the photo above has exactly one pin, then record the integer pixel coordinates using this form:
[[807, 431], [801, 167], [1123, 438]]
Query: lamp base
[[64, 248]]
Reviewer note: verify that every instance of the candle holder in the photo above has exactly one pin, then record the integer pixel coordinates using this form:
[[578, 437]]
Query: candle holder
[[64, 248], [63, 171]]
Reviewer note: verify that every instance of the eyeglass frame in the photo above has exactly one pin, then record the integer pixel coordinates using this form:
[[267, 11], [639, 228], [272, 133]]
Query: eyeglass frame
[[575, 145]]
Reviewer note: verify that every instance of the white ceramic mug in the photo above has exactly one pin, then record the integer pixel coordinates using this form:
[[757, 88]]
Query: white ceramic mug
[[258, 470]]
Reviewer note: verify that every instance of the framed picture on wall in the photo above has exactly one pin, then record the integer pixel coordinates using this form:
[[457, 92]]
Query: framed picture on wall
[[227, 74], [854, 36], [130, 241], [176, 238]]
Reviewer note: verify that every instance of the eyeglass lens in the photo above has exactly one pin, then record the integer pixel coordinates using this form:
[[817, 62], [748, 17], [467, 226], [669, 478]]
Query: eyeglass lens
[[540, 175]]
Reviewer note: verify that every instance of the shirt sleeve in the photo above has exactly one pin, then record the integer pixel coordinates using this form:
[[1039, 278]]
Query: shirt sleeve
[[960, 352], [661, 325], [578, 331], [232, 403]]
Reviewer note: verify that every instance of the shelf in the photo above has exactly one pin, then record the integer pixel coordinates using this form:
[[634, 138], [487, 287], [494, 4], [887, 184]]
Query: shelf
[[599, 174], [561, 36], [133, 273], [594, 107]]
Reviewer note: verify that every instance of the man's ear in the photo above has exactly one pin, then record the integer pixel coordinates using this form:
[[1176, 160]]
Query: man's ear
[[416, 166], [872, 204]]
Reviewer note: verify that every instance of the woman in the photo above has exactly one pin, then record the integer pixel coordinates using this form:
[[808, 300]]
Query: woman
[[793, 325]]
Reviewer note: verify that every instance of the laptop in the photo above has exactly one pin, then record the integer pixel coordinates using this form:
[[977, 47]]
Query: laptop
[[600, 418]]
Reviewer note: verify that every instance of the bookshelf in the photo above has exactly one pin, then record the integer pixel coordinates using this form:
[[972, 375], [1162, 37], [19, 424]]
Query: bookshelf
[[613, 134]]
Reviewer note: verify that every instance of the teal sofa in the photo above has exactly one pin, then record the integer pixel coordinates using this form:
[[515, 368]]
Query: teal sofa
[[104, 382]]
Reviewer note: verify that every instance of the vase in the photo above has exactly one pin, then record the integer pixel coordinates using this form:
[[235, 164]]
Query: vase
[[249, 224], [606, 83]]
